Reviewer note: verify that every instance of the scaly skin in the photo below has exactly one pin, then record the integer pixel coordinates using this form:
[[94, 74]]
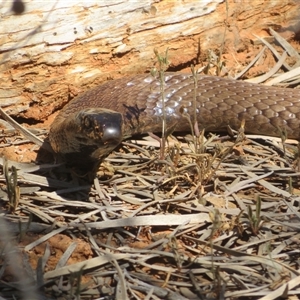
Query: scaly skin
[[137, 102]]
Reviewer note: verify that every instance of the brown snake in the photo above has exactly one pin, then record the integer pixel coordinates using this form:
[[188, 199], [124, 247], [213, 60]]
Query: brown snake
[[94, 123]]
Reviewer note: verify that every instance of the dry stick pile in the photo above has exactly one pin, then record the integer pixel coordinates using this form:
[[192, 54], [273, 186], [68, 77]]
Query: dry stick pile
[[219, 223]]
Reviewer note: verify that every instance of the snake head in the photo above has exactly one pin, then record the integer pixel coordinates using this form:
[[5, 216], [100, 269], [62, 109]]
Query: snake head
[[100, 127], [86, 137]]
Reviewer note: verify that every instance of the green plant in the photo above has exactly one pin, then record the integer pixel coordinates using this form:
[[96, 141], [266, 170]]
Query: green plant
[[255, 218], [13, 190], [163, 64]]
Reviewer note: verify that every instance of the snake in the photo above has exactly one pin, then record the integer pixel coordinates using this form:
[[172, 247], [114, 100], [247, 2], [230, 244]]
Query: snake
[[94, 123]]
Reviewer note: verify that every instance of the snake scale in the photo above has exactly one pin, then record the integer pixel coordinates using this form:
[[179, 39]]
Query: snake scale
[[94, 123]]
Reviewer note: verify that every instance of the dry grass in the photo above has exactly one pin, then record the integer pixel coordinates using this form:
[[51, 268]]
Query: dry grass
[[209, 219], [158, 228]]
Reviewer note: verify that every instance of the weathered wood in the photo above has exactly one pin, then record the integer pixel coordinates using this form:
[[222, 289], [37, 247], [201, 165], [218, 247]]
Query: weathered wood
[[56, 49]]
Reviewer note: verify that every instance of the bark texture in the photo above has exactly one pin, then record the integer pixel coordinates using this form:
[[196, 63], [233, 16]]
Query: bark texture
[[54, 50]]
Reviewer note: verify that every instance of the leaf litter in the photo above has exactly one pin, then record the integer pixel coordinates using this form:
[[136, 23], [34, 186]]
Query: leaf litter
[[216, 224], [154, 228]]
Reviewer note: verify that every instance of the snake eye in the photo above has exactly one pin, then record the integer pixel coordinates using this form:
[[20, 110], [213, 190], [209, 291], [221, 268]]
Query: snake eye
[[112, 134]]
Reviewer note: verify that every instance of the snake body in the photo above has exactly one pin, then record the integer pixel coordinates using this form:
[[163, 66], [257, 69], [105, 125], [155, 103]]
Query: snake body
[[94, 123]]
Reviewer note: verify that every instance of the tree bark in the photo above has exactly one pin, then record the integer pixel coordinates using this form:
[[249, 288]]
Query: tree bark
[[54, 50]]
